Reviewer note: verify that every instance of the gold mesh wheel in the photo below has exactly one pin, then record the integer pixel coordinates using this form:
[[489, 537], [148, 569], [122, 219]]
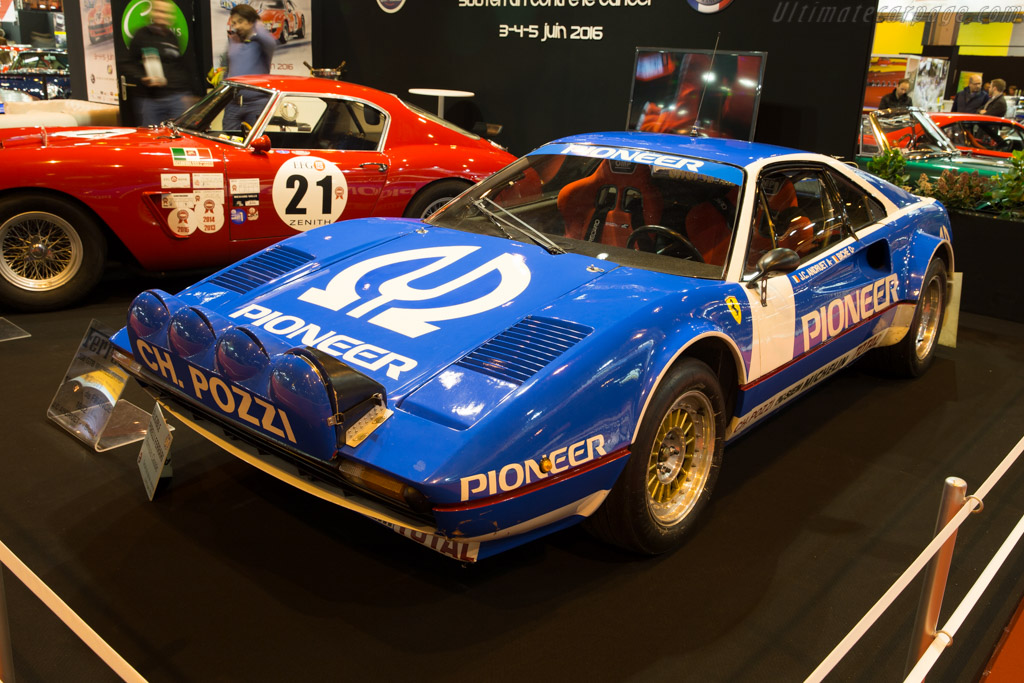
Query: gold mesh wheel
[[681, 458]]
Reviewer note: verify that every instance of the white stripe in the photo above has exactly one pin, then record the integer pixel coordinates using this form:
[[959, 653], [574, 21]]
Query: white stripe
[[773, 326]]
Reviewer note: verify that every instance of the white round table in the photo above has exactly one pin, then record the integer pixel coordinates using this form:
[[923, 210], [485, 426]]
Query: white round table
[[440, 94]]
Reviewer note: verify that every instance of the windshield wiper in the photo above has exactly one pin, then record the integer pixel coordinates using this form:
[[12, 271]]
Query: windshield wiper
[[535, 235]]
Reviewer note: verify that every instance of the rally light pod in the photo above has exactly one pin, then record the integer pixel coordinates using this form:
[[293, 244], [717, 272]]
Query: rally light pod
[[311, 383], [240, 355], [190, 333], [151, 312]]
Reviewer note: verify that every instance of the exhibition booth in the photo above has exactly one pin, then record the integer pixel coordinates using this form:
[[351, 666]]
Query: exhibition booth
[[133, 546]]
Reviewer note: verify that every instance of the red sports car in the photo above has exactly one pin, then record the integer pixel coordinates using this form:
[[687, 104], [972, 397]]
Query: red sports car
[[200, 191], [989, 136], [283, 20]]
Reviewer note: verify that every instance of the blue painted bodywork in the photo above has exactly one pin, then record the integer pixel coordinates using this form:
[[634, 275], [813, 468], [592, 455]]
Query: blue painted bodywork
[[515, 418]]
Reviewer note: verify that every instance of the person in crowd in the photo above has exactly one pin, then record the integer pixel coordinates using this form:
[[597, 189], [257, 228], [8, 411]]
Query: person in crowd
[[250, 51], [157, 66], [970, 99], [1011, 90], [899, 97], [996, 105]]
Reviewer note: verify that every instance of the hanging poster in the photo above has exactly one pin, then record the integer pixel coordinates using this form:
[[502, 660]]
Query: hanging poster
[[289, 21], [98, 38]]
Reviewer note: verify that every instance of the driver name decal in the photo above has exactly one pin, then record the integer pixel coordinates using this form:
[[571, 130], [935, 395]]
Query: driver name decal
[[341, 291]]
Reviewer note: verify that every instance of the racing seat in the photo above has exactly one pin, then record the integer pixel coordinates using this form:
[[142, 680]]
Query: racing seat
[[792, 230], [708, 227], [610, 203]]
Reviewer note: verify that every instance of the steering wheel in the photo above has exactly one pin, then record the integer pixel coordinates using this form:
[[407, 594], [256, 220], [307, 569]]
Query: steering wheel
[[677, 246]]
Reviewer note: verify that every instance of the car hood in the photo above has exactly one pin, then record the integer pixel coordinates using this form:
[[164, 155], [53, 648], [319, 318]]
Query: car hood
[[423, 296], [115, 137], [964, 162]]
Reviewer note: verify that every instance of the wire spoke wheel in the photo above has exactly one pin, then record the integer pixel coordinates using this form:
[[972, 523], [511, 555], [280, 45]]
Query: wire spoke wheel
[[680, 462], [39, 251]]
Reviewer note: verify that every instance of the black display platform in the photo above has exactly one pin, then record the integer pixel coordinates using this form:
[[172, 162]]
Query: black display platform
[[231, 575]]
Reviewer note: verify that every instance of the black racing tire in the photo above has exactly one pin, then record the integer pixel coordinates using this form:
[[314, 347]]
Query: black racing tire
[[52, 252], [433, 197], [302, 27], [284, 33], [914, 354], [673, 465]]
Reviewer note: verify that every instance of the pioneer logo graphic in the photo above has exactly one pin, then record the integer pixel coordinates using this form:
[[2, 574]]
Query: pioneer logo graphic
[[342, 292]]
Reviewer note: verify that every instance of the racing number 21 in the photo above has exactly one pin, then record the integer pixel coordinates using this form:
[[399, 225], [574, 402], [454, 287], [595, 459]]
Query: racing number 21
[[302, 185]]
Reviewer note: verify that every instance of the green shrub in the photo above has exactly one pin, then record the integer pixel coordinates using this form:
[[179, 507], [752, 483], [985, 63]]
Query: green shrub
[[890, 165], [957, 190]]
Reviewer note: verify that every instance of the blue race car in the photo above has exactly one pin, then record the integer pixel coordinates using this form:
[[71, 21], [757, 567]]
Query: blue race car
[[575, 337]]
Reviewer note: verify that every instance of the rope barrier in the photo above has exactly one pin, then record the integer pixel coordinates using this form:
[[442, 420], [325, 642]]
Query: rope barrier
[[68, 616], [883, 603]]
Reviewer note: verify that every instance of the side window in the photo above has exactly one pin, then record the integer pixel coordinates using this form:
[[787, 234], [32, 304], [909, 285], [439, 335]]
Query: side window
[[304, 122], [795, 212], [956, 134], [294, 119], [868, 143], [350, 125], [1012, 139], [861, 208]]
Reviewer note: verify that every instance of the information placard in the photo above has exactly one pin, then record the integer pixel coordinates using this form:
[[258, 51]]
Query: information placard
[[156, 448]]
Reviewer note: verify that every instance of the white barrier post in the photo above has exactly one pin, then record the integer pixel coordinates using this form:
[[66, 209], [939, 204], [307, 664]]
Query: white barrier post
[[6, 654], [953, 498]]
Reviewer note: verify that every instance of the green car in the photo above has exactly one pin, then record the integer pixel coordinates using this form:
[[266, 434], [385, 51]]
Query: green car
[[926, 148]]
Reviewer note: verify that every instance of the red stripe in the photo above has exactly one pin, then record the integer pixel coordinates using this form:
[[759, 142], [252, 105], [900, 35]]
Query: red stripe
[[535, 486]]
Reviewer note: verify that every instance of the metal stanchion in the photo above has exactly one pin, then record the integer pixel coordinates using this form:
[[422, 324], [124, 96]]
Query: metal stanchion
[[6, 654], [953, 499]]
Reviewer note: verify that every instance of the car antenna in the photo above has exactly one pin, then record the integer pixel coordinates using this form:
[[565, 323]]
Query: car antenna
[[695, 128]]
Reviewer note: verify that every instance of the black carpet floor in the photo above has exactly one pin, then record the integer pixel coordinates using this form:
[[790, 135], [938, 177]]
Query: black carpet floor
[[230, 575]]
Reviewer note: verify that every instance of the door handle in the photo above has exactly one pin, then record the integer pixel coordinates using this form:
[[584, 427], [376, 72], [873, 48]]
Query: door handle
[[383, 168]]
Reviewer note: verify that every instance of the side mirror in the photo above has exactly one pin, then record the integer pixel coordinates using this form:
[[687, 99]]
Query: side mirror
[[778, 260], [261, 144]]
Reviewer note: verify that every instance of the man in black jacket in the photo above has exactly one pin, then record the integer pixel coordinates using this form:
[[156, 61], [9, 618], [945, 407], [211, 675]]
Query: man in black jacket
[[159, 69], [996, 105], [899, 97], [972, 98]]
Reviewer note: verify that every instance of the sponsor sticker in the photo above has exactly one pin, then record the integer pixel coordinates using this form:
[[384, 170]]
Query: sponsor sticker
[[175, 181], [191, 156], [207, 181], [244, 186]]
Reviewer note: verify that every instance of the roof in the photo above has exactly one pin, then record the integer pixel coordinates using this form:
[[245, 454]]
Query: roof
[[310, 84], [722, 150]]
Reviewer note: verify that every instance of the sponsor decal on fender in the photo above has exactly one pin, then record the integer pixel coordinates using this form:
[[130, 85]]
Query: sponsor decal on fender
[[734, 308], [839, 314], [512, 476]]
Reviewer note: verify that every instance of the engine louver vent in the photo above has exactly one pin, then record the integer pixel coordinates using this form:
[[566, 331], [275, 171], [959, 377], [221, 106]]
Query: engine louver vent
[[524, 349], [262, 268]]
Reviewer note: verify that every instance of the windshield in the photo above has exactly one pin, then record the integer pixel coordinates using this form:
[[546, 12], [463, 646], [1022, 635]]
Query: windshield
[[633, 207], [40, 61], [910, 131], [227, 113]]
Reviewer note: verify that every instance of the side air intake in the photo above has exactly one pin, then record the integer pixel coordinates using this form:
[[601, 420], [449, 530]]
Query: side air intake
[[524, 349], [261, 269]]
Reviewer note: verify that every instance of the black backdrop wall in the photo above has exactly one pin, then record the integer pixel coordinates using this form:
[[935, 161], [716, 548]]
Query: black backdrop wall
[[541, 89]]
